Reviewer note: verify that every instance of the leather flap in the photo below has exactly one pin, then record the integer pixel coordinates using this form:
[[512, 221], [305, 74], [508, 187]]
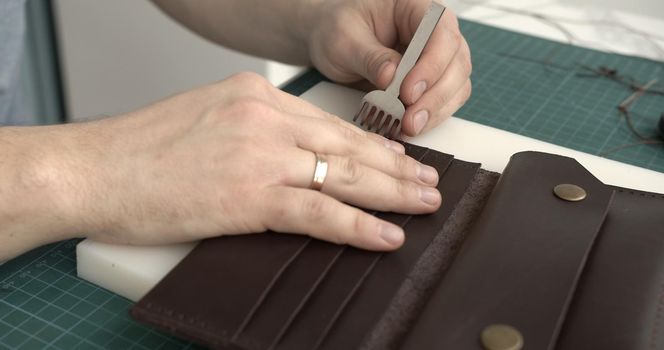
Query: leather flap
[[522, 261], [619, 302]]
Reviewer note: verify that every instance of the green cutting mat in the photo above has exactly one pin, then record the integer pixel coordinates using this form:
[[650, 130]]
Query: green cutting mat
[[538, 88], [44, 305]]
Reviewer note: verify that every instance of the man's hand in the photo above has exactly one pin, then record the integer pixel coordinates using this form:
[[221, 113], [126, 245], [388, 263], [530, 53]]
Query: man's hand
[[229, 158], [351, 40]]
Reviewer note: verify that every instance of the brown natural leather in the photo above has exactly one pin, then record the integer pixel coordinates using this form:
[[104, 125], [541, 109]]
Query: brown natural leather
[[567, 275], [370, 301], [520, 264], [619, 303], [285, 291]]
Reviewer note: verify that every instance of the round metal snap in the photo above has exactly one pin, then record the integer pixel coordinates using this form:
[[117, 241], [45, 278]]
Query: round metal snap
[[501, 337], [569, 192]]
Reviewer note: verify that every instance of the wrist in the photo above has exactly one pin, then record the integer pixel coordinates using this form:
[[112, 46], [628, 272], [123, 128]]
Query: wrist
[[41, 195], [305, 19]]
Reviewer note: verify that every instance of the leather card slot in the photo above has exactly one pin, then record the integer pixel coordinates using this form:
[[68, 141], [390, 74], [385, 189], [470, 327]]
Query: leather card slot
[[522, 260], [441, 163], [374, 295], [417, 152], [250, 315], [286, 296], [222, 276], [310, 327], [619, 303], [322, 306], [314, 317], [396, 219]]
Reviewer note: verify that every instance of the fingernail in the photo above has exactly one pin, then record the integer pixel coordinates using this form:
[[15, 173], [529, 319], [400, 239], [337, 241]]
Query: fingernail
[[420, 120], [427, 174], [418, 90], [429, 195], [395, 146], [392, 234]]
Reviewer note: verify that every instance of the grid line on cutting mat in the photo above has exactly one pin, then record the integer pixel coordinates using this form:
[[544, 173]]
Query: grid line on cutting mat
[[44, 305]]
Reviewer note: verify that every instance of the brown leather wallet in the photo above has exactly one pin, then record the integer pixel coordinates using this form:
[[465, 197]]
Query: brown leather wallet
[[566, 275]]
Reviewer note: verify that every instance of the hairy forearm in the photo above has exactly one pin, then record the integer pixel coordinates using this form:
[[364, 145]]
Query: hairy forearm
[[36, 192], [272, 29]]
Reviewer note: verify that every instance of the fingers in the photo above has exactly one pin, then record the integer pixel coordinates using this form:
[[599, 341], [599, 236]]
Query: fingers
[[437, 78], [421, 114], [449, 109], [303, 211], [354, 182], [439, 115], [328, 138], [371, 59], [439, 52]]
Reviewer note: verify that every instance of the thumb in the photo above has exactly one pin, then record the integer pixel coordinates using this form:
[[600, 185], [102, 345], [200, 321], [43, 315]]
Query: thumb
[[372, 60]]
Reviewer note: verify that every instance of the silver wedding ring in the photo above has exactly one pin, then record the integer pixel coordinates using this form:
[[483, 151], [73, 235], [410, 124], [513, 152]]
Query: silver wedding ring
[[320, 172]]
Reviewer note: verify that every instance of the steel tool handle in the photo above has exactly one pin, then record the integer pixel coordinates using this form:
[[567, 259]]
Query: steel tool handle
[[420, 39]]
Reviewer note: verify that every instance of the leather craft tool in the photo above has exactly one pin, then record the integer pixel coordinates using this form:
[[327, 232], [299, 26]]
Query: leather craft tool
[[381, 111]]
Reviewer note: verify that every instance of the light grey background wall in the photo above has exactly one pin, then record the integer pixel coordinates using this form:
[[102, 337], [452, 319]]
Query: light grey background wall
[[40, 80], [120, 55]]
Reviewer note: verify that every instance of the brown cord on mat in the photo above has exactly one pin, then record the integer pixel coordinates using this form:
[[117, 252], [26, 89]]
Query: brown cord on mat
[[612, 74], [623, 108]]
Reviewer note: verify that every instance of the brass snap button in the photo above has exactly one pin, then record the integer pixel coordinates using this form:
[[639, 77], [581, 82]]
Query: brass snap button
[[569, 192], [501, 337]]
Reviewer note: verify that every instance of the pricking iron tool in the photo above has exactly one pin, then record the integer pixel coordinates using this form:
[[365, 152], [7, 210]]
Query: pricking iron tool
[[381, 111]]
